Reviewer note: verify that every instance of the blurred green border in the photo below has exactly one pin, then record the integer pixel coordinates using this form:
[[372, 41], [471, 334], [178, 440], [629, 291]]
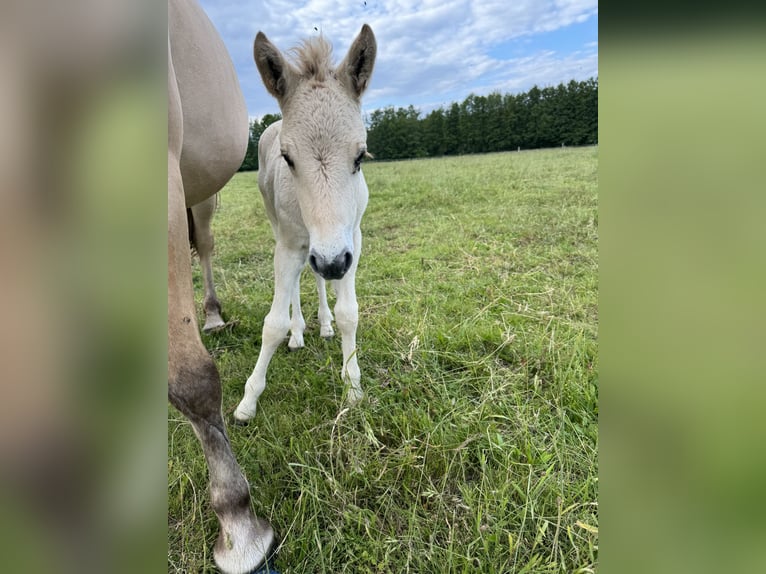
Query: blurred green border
[[682, 266]]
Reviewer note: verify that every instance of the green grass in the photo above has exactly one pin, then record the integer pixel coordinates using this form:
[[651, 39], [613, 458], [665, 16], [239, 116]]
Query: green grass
[[475, 449]]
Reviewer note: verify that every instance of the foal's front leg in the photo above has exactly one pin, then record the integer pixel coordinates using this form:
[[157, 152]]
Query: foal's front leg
[[297, 322], [324, 315], [347, 319], [287, 268]]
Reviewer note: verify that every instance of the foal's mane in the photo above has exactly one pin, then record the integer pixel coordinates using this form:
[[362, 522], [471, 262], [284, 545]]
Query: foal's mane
[[313, 58]]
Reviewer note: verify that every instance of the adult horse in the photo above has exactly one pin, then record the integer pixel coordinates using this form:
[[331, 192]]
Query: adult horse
[[207, 139], [309, 173]]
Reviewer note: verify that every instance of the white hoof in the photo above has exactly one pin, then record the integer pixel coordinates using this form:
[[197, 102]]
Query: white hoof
[[326, 331], [245, 412], [295, 342], [244, 545], [354, 396]]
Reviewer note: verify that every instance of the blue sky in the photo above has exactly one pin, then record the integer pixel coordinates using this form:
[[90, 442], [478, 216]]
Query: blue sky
[[430, 52]]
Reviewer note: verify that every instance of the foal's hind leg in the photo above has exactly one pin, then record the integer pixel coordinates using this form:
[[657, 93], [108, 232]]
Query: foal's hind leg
[[202, 215], [288, 264], [324, 314]]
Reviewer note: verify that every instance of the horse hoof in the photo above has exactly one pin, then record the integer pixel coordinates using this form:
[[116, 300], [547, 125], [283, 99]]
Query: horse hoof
[[249, 546], [242, 417], [295, 344], [265, 568], [354, 397], [213, 324]]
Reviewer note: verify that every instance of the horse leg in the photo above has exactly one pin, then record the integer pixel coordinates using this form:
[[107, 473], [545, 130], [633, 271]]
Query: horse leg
[[297, 323], [288, 264], [202, 215], [324, 314], [244, 542], [347, 318], [194, 388]]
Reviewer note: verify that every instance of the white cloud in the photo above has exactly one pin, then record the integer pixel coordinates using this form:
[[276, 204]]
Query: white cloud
[[430, 52]]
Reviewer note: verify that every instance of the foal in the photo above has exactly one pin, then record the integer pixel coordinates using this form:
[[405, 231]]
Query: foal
[[310, 176]]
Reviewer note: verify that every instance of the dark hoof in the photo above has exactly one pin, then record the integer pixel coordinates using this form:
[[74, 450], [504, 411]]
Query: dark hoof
[[265, 567]]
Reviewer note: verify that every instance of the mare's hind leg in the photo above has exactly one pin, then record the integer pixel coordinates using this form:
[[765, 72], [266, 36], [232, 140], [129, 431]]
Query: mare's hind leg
[[202, 214], [288, 264], [324, 314], [297, 323]]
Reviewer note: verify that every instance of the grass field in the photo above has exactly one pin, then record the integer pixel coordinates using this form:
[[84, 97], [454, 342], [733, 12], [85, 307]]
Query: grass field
[[475, 449]]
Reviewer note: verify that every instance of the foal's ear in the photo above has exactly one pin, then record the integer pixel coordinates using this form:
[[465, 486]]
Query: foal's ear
[[356, 68], [276, 73]]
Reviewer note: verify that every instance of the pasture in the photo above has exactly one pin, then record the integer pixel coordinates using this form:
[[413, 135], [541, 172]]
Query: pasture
[[475, 448]]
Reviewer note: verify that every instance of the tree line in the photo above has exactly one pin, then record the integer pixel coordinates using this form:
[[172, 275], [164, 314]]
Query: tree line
[[257, 127], [565, 115]]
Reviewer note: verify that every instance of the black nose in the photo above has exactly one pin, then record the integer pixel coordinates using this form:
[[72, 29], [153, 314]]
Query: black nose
[[331, 269]]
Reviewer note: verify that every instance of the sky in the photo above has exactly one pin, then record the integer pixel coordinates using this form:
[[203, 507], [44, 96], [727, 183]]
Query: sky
[[430, 52]]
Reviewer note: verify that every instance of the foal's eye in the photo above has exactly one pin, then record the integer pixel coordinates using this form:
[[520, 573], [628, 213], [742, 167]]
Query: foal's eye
[[358, 160], [287, 159]]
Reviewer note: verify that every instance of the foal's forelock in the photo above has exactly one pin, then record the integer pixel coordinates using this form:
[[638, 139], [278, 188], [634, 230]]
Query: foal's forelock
[[317, 105], [313, 59]]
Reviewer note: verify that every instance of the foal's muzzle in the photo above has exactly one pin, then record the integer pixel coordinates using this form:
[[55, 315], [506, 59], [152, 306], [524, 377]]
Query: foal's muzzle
[[331, 269]]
